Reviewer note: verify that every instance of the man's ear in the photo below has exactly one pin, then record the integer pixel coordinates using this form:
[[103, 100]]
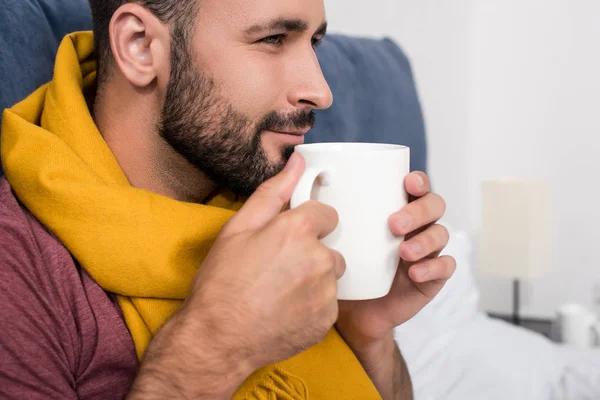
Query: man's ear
[[140, 44]]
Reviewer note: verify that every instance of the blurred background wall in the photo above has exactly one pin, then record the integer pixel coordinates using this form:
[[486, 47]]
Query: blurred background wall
[[509, 88]]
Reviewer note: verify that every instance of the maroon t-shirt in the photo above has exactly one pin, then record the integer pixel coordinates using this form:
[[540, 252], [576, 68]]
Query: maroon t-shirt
[[61, 335]]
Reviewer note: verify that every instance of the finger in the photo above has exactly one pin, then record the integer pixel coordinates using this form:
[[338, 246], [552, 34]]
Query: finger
[[421, 212], [313, 218], [269, 199], [417, 184], [340, 264], [437, 270], [431, 241]]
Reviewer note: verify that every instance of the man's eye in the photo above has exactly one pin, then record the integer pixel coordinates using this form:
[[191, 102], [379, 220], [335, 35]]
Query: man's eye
[[316, 42], [274, 40]]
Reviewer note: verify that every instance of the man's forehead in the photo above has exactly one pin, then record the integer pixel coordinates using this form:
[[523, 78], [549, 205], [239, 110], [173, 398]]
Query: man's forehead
[[254, 14]]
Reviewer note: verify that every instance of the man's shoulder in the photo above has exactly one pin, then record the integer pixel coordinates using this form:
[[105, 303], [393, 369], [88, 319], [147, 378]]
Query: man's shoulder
[[60, 324], [27, 247], [19, 228], [9, 205], [15, 221]]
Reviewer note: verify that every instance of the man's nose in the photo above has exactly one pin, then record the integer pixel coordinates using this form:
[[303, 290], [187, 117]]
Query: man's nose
[[309, 89]]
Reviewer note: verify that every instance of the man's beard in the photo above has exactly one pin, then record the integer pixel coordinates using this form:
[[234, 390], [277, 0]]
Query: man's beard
[[220, 141]]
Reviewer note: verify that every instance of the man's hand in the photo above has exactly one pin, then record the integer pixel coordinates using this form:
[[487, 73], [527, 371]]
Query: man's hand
[[269, 285], [421, 273], [367, 326], [266, 291]]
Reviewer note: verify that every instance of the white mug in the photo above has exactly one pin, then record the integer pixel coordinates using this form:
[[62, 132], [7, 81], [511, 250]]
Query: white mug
[[578, 326], [364, 182]]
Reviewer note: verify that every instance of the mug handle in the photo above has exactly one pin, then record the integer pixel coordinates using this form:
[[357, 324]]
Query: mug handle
[[304, 188]]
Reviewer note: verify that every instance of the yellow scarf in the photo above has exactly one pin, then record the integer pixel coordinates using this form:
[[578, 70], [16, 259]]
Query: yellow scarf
[[143, 247]]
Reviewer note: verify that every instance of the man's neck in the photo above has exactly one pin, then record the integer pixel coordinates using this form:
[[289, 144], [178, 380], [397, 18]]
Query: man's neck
[[127, 121]]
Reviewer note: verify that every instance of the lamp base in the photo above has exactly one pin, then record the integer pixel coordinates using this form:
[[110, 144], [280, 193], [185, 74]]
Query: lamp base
[[516, 302]]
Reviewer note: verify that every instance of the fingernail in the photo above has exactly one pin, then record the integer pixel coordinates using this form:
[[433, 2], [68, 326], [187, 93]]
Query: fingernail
[[415, 248], [291, 162], [420, 179], [421, 271], [403, 221]]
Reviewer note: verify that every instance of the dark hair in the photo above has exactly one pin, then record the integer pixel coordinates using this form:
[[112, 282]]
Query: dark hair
[[179, 14]]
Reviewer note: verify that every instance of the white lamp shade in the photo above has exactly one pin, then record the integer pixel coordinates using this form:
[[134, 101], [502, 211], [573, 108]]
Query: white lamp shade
[[516, 232]]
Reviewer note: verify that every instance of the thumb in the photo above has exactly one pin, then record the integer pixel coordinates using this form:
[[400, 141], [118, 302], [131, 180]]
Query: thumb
[[269, 199]]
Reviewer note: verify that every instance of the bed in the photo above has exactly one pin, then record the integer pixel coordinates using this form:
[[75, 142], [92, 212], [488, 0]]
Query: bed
[[455, 351]]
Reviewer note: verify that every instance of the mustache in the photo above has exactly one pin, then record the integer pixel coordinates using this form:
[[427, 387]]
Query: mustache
[[278, 122]]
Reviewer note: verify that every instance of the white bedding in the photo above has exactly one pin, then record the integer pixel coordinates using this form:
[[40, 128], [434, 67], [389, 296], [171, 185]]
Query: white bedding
[[453, 351], [581, 376]]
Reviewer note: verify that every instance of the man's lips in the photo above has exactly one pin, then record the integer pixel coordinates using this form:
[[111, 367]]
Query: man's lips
[[290, 137], [301, 132]]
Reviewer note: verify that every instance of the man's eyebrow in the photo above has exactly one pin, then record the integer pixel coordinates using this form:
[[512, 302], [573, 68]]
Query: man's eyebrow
[[282, 24], [322, 31]]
